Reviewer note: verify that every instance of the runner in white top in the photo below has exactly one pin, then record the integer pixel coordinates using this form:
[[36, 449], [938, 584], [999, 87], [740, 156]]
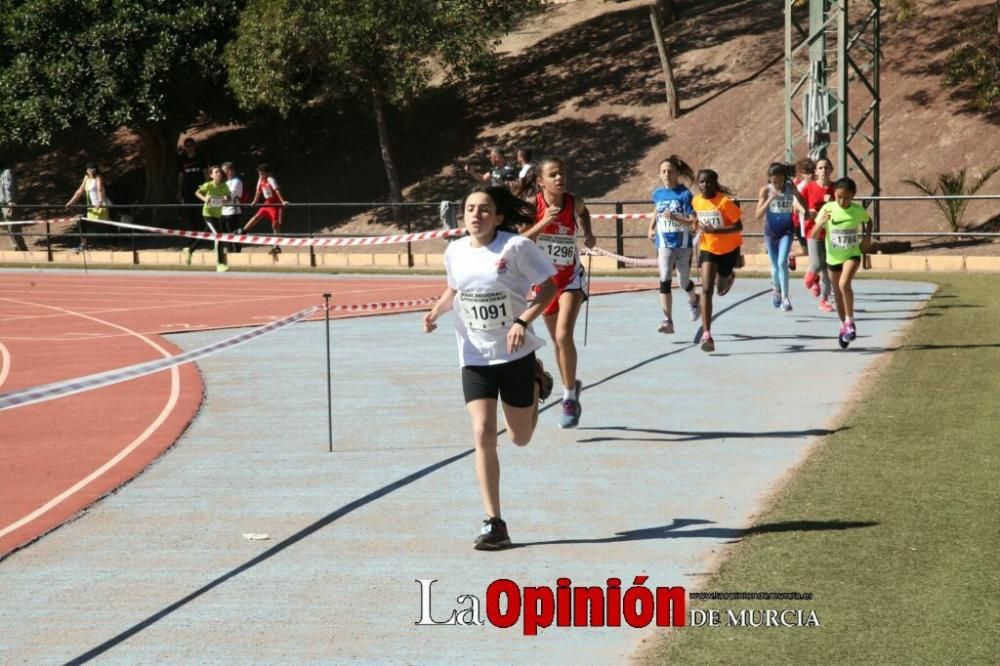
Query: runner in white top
[[490, 272]]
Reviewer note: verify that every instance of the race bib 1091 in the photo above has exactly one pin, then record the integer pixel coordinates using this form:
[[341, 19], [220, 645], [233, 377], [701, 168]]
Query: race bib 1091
[[486, 310]]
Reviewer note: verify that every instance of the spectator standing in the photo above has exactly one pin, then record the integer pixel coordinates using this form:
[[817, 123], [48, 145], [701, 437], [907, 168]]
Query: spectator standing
[[232, 214], [526, 185], [500, 174], [97, 202], [8, 197], [524, 163], [192, 172]]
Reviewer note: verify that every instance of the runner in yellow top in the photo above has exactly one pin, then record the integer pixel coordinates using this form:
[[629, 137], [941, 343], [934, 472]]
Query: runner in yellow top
[[721, 229], [848, 236], [215, 193]]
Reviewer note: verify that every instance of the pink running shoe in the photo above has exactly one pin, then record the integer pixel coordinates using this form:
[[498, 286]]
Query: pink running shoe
[[707, 343], [825, 306]]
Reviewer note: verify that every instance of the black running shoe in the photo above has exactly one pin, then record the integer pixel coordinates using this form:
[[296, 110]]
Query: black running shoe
[[544, 380], [493, 535]]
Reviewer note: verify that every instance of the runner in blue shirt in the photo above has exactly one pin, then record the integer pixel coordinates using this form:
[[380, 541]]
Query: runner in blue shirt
[[672, 231]]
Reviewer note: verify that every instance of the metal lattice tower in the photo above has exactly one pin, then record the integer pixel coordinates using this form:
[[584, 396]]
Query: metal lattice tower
[[832, 88]]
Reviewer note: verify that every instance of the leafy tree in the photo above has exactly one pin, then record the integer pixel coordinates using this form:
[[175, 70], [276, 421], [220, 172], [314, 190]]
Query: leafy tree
[[150, 65], [289, 53], [977, 62], [953, 183]]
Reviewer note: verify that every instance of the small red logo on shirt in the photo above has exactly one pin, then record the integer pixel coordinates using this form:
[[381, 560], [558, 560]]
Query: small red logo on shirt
[[501, 265]]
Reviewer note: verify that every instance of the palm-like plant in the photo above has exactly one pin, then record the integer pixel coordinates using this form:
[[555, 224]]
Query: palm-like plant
[[953, 183]]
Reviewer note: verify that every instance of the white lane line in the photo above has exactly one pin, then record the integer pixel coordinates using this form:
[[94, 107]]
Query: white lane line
[[175, 391]]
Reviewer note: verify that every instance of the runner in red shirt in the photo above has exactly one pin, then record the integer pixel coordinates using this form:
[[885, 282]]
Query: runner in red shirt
[[817, 193], [557, 216], [274, 203]]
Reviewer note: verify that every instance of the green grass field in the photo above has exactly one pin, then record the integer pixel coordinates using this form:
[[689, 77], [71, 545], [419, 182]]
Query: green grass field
[[893, 524]]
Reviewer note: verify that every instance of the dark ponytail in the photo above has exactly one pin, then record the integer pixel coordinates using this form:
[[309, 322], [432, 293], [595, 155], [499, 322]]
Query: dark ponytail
[[515, 211], [682, 167], [714, 176]]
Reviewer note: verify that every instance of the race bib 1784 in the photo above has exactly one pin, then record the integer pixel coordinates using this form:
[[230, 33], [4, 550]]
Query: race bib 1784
[[843, 240]]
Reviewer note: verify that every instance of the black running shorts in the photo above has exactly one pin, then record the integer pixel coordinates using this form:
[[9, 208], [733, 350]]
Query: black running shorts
[[725, 264], [513, 382]]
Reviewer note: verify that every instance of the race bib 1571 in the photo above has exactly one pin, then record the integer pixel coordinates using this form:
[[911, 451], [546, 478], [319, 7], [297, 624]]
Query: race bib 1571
[[710, 219]]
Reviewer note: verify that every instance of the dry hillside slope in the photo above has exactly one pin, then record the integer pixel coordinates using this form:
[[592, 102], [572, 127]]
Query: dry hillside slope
[[584, 81]]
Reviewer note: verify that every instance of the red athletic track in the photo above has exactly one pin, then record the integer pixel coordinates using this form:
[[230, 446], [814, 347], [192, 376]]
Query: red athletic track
[[58, 457]]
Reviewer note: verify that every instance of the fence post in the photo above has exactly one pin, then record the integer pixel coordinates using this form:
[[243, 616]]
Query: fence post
[[309, 228], [619, 232], [48, 237], [135, 250], [409, 245]]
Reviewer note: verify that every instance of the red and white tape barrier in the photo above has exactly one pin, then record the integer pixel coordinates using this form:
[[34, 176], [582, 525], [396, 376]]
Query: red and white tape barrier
[[31, 396], [385, 305], [620, 216], [285, 241], [631, 261], [54, 220]]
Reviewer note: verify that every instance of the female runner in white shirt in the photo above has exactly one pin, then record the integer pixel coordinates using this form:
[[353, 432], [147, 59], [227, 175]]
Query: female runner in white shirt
[[490, 274]]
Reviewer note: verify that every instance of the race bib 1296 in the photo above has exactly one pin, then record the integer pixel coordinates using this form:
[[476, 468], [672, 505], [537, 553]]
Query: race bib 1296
[[560, 249]]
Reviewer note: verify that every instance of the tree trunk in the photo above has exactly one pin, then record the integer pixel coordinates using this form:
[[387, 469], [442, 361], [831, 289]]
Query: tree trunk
[[385, 144], [673, 104], [159, 152]]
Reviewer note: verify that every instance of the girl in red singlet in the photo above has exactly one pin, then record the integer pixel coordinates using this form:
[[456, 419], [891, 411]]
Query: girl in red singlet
[[557, 216]]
